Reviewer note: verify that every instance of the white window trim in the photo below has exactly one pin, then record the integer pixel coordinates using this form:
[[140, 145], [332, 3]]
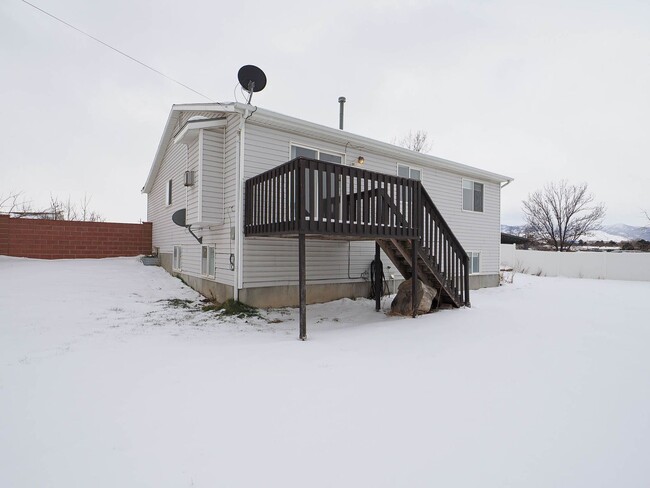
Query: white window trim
[[180, 258], [318, 150], [462, 198], [210, 271], [411, 168], [471, 256], [169, 195]]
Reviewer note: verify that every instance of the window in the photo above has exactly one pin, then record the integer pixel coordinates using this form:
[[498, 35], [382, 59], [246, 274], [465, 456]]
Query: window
[[207, 260], [305, 152], [408, 172], [474, 262], [168, 193], [176, 264], [472, 196]]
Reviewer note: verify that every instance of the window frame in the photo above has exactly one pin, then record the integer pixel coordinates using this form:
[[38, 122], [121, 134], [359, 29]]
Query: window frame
[[462, 195], [177, 258], [411, 169], [471, 255], [169, 192], [209, 271]]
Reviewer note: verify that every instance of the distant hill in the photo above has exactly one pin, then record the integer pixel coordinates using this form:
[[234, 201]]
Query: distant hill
[[629, 232], [616, 232], [515, 230]]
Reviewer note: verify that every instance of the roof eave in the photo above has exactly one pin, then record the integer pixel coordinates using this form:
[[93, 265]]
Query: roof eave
[[168, 132], [400, 152]]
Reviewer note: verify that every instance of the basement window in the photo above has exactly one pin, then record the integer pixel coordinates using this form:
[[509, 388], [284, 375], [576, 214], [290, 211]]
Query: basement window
[[207, 261], [474, 262], [472, 196], [176, 264]]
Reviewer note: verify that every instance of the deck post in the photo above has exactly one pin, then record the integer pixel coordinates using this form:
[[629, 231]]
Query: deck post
[[302, 285], [377, 283], [414, 275], [466, 281]]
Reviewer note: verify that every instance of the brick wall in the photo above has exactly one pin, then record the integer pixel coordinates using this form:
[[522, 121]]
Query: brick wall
[[61, 239]]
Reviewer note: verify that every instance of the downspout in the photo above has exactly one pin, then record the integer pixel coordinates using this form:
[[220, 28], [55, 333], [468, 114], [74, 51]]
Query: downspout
[[199, 209], [187, 168], [238, 277]]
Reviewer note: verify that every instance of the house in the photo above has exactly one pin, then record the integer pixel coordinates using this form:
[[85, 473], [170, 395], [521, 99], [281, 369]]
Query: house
[[257, 185]]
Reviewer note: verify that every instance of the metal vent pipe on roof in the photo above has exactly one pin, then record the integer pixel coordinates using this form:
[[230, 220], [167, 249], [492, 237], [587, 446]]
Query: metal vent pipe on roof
[[341, 103]]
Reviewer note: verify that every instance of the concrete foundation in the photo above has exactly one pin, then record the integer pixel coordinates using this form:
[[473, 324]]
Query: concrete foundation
[[483, 281], [208, 288], [287, 296]]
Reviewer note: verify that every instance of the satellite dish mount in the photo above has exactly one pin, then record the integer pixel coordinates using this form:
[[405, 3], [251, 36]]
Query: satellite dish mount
[[178, 218], [252, 79]]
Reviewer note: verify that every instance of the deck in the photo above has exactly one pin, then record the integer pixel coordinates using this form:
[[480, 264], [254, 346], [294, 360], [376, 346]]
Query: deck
[[311, 199]]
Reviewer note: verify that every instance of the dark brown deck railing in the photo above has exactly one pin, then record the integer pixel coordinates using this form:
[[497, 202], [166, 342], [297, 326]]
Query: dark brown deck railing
[[442, 249], [317, 197], [306, 196]]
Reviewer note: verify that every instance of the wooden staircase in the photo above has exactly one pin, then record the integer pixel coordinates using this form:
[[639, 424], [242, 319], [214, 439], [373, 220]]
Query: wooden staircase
[[428, 271], [310, 199]]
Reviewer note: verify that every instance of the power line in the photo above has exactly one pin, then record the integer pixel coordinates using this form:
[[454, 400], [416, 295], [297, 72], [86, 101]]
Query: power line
[[116, 50]]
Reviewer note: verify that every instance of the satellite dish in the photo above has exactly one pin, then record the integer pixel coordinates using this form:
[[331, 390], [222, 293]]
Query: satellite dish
[[178, 218], [252, 79]]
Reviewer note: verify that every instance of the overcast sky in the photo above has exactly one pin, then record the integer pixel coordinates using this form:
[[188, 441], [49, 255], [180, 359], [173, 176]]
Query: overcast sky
[[538, 91]]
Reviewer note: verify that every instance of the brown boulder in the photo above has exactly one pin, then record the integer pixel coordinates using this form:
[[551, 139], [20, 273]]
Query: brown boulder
[[402, 303]]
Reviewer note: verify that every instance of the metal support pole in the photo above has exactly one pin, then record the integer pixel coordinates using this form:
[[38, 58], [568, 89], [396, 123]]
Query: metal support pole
[[414, 274], [377, 283], [302, 285], [466, 280]]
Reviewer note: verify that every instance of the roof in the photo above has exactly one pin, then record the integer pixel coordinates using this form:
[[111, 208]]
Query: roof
[[273, 119]]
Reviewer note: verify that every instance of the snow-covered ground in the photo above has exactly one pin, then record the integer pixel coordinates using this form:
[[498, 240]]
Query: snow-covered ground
[[104, 382]]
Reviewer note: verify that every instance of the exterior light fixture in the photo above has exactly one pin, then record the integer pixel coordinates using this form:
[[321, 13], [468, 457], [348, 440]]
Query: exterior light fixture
[[361, 160]]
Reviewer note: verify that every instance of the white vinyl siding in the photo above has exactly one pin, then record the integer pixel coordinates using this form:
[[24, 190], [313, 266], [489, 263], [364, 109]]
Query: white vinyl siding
[[274, 261], [177, 159], [212, 177]]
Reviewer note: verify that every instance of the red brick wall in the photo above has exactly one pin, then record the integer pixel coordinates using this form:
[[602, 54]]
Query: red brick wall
[[61, 239]]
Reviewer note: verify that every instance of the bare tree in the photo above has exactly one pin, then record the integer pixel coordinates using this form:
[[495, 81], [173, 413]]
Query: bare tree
[[9, 202], [417, 141], [58, 208], [562, 213], [86, 214]]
